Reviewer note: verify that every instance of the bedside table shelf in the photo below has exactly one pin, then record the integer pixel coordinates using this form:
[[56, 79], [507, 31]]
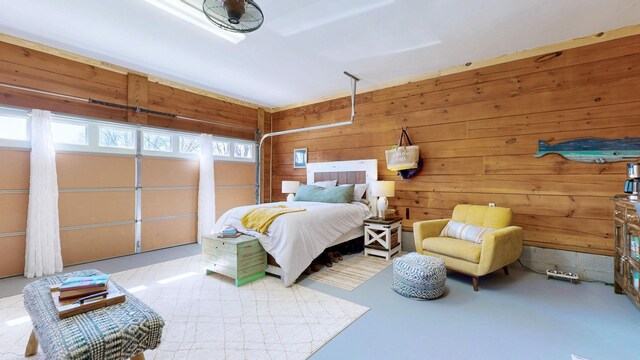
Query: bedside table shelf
[[382, 238], [241, 258]]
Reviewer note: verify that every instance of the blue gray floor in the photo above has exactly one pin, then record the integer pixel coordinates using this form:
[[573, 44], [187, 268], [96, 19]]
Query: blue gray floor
[[521, 316]]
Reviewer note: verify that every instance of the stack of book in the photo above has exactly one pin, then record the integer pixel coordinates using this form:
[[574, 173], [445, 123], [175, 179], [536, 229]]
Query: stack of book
[[229, 233], [75, 287]]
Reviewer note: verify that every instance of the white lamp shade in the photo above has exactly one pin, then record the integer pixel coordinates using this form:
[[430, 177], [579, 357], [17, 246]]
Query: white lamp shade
[[383, 188], [290, 187]]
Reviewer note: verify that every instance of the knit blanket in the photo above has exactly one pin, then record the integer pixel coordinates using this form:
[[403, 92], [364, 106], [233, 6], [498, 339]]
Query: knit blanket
[[259, 219], [113, 332]]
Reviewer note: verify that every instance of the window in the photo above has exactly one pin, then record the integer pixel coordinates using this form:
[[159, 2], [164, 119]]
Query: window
[[67, 133], [117, 138], [244, 151], [13, 128], [221, 148], [156, 141], [189, 145]]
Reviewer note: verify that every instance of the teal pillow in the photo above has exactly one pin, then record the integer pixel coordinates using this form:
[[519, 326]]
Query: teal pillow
[[336, 194]]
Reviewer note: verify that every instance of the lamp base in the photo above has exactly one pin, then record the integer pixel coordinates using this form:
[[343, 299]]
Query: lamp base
[[290, 197], [383, 204]]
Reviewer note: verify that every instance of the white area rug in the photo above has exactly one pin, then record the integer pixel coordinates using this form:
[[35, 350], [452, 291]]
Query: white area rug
[[352, 272], [208, 317]]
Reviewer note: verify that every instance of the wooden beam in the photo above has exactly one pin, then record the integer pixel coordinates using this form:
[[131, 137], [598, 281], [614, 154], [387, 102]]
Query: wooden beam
[[137, 96]]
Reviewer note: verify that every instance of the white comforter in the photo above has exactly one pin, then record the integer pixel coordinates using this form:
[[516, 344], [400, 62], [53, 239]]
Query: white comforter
[[295, 239]]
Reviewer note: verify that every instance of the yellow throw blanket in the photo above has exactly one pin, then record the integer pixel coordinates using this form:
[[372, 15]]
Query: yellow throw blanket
[[260, 218]]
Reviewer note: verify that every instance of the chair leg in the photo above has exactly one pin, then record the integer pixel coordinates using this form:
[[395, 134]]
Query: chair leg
[[506, 270], [32, 345], [475, 283], [139, 356]]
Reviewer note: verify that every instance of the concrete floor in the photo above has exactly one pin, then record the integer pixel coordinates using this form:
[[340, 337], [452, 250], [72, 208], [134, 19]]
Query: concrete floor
[[521, 316]]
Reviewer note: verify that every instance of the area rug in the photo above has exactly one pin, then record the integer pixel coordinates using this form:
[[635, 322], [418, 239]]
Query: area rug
[[208, 317], [352, 272]]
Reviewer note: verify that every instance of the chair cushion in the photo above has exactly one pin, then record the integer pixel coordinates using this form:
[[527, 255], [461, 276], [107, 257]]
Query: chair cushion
[[455, 248], [464, 231]]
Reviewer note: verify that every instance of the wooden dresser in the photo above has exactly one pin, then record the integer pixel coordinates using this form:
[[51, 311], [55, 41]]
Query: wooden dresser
[[627, 255], [241, 258]]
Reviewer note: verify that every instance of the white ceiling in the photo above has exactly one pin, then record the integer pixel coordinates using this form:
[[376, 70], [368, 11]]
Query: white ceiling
[[303, 47]]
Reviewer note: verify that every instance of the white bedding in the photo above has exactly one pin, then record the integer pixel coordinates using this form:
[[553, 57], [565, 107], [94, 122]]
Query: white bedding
[[295, 239]]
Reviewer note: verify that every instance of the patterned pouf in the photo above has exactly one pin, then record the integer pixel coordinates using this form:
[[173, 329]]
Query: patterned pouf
[[118, 331], [419, 276]]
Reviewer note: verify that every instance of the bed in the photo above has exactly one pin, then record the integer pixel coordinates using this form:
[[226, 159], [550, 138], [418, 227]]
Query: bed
[[293, 240]]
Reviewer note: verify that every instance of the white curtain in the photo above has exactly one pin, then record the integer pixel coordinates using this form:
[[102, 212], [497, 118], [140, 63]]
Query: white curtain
[[206, 188], [42, 255]]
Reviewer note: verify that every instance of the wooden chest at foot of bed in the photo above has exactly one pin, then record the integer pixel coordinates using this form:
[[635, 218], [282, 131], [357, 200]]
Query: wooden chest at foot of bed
[[241, 258]]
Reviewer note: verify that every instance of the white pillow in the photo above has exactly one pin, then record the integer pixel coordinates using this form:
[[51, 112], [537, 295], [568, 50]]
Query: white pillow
[[325, 184], [462, 231], [358, 190]]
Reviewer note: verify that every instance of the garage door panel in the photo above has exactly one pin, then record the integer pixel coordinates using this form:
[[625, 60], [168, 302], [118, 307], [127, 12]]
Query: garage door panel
[[166, 233], [84, 245], [13, 212], [79, 171], [85, 208], [12, 249], [15, 170], [160, 203]]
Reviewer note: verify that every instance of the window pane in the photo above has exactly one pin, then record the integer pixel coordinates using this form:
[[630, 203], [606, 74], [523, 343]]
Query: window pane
[[156, 142], [13, 128], [69, 133], [221, 148], [189, 145], [244, 151], [114, 137]]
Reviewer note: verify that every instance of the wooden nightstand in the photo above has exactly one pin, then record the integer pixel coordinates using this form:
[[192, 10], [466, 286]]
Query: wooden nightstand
[[382, 237], [241, 258]]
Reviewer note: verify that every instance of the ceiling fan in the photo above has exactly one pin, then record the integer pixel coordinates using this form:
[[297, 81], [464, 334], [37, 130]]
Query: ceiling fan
[[240, 16]]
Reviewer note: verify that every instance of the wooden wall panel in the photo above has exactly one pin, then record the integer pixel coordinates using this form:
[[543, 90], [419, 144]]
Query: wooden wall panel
[[169, 172], [15, 170], [165, 233], [12, 249], [159, 203], [13, 212], [84, 245], [35, 69], [86, 171], [478, 131], [86, 208]]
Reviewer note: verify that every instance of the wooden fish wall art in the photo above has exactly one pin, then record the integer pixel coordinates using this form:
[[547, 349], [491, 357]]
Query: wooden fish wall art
[[593, 150]]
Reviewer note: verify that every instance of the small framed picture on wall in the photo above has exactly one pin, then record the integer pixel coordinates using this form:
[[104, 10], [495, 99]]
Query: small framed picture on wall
[[300, 158]]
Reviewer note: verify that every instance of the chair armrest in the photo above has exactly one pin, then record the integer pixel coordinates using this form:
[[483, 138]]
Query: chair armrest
[[425, 229], [500, 248]]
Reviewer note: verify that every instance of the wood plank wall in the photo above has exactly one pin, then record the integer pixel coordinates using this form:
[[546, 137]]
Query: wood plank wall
[[169, 185], [29, 68], [478, 131]]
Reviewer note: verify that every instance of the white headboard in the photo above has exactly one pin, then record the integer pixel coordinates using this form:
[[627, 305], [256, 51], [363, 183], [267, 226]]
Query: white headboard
[[346, 172]]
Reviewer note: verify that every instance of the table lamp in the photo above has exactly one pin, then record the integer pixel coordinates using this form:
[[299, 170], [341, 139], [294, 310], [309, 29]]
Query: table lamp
[[290, 187], [383, 189]]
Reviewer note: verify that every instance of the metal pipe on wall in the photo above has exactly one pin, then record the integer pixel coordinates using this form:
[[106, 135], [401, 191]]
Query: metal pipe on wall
[[354, 81]]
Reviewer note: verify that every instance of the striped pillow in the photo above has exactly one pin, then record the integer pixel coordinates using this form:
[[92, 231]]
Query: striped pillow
[[464, 231]]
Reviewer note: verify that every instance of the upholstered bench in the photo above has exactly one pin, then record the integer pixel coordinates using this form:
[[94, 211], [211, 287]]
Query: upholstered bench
[[114, 332], [419, 276]]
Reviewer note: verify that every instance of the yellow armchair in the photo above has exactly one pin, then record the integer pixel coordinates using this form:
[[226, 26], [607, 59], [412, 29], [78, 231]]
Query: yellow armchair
[[497, 250]]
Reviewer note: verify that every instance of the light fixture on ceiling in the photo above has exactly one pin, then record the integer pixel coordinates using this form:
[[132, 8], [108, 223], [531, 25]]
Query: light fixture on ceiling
[[241, 16], [190, 11]]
